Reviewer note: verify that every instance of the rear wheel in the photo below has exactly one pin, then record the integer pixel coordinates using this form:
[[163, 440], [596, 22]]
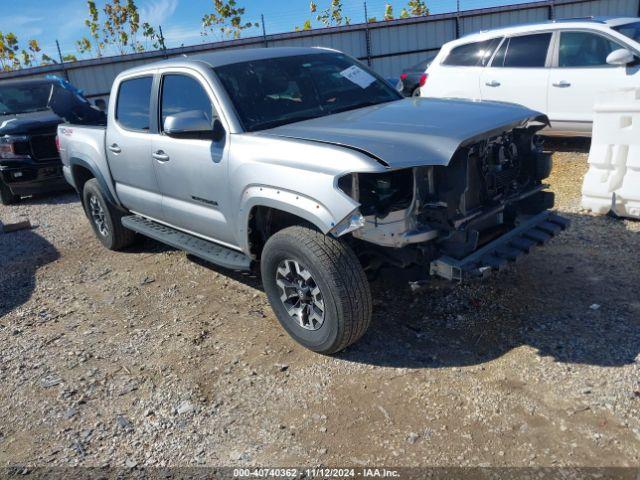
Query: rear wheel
[[105, 218], [6, 196], [317, 288], [416, 92]]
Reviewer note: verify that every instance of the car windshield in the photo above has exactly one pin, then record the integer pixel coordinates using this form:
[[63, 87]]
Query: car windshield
[[631, 30], [15, 99], [276, 91]]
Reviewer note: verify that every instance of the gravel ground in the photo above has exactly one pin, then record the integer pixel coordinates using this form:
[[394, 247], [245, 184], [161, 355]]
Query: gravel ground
[[151, 358]]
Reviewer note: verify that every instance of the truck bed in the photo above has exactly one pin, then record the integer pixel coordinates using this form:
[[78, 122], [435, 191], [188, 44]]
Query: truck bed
[[83, 146]]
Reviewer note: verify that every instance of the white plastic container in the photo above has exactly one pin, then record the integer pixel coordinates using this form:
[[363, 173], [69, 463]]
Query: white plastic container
[[613, 180]]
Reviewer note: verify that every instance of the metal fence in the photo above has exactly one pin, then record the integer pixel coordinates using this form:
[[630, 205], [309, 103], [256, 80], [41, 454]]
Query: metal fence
[[387, 46]]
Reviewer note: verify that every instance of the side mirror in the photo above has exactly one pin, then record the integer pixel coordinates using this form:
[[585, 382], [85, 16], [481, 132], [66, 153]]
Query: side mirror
[[622, 56], [218, 131], [191, 124]]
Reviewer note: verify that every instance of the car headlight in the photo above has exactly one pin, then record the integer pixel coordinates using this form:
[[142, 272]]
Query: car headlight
[[8, 148]]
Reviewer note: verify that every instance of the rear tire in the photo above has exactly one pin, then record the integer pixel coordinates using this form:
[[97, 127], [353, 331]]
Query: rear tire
[[320, 280], [6, 196], [105, 218], [416, 92]]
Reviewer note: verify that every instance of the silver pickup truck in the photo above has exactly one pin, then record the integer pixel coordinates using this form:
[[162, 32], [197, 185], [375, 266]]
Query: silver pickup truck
[[304, 162]]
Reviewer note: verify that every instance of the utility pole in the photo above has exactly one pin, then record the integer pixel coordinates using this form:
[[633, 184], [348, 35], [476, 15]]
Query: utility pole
[[367, 33], [457, 18], [163, 47], [64, 69], [264, 31]]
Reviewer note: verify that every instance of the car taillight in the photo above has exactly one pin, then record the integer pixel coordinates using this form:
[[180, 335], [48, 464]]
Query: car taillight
[[423, 79], [403, 77], [58, 143]]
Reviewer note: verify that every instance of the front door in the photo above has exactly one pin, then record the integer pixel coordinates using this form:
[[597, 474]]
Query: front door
[[518, 72], [128, 144], [581, 74], [192, 173]]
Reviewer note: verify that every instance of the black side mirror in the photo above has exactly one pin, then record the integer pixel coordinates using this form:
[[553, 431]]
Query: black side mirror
[[218, 131]]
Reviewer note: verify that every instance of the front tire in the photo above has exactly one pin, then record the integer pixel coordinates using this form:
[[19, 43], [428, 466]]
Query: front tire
[[105, 218], [317, 289], [6, 196]]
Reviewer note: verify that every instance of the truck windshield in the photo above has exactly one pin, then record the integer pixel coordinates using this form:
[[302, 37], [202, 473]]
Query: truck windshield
[[276, 91], [631, 30], [15, 99]]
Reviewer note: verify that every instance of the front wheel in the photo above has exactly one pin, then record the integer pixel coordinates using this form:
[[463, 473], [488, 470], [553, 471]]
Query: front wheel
[[317, 289], [6, 196]]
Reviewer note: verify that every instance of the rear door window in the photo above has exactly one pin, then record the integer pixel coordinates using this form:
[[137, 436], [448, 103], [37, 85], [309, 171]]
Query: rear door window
[[525, 51], [475, 54], [132, 108], [584, 49]]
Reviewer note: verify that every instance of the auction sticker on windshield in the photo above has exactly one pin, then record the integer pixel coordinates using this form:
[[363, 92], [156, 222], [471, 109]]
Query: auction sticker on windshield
[[358, 76]]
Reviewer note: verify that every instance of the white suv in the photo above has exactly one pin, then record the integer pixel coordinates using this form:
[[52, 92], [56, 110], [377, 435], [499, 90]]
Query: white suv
[[556, 68]]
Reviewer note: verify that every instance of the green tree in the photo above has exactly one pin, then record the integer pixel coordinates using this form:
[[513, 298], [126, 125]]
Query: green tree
[[9, 49], [305, 26], [117, 26], [153, 37], [418, 8], [332, 15], [14, 56], [388, 12], [226, 19]]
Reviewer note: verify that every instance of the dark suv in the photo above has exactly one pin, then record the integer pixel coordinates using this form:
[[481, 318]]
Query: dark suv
[[30, 111]]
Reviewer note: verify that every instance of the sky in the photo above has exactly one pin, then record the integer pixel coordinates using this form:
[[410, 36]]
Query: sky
[[63, 20]]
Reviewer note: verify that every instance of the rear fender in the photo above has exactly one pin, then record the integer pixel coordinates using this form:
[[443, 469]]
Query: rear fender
[[108, 192]]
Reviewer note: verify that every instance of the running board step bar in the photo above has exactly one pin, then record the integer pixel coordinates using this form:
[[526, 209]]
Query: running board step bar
[[209, 251], [508, 248]]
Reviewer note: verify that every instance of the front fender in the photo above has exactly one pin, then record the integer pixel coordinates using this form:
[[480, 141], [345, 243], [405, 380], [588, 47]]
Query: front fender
[[307, 208]]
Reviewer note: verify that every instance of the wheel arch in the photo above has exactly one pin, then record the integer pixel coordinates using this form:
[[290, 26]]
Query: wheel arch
[[82, 171], [266, 210]]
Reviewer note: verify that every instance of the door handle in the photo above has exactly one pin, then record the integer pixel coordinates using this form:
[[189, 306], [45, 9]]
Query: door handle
[[160, 156], [493, 83], [114, 148], [562, 84]]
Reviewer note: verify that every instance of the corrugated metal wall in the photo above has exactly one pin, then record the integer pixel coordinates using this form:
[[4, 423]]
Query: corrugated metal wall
[[389, 46]]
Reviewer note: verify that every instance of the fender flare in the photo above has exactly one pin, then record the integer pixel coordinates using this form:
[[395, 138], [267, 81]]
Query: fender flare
[[106, 191], [294, 203]]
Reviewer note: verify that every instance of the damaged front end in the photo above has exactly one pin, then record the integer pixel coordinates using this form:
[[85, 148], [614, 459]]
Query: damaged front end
[[463, 219]]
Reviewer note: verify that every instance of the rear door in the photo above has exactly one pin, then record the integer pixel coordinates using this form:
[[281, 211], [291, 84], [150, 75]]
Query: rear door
[[580, 72], [192, 173], [518, 72], [128, 143], [458, 76]]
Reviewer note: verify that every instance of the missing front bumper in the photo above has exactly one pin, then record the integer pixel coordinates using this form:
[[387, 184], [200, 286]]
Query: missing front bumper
[[496, 255]]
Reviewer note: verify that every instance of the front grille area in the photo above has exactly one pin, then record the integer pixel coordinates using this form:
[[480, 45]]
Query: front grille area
[[43, 147]]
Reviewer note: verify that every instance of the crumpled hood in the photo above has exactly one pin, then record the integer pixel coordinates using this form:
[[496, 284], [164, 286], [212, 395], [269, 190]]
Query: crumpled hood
[[413, 131], [44, 121]]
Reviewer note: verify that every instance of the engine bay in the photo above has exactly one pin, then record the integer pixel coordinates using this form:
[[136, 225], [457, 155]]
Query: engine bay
[[483, 192]]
